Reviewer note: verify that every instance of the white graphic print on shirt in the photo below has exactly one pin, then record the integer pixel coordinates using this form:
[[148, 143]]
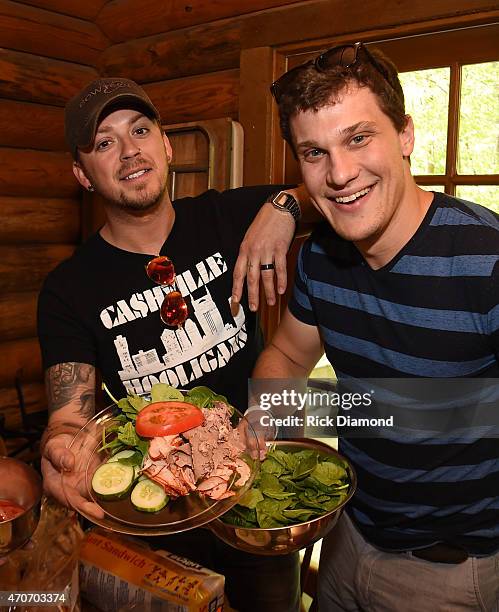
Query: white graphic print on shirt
[[205, 343]]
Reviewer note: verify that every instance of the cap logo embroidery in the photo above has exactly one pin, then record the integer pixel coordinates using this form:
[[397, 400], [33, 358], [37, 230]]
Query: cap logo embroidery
[[105, 88]]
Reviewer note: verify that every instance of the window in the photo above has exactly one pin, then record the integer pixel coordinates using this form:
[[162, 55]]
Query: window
[[466, 165]]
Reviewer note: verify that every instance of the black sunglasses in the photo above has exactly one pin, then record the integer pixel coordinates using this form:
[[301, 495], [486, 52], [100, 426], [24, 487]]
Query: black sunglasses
[[345, 56]]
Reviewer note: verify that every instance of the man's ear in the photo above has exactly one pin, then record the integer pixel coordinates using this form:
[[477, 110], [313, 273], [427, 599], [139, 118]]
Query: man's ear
[[81, 177], [407, 137], [168, 147]]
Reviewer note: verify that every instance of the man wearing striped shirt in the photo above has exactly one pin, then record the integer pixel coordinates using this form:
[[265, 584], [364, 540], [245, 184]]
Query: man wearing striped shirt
[[399, 283]]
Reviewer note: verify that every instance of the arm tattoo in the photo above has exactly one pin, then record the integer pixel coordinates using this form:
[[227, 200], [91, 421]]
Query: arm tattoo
[[71, 383]]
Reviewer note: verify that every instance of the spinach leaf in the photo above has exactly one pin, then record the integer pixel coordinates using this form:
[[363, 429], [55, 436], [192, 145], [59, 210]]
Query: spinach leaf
[[292, 487], [203, 397], [305, 466], [161, 392], [271, 466], [251, 498]]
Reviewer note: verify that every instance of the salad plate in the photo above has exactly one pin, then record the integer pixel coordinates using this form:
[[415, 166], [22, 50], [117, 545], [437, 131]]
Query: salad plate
[[95, 445], [307, 525]]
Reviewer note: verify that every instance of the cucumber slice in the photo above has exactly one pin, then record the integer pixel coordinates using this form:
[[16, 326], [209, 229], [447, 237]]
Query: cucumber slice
[[124, 454], [128, 457], [148, 496], [113, 480]]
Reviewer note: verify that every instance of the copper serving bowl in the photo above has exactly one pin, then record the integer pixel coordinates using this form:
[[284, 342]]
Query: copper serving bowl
[[21, 484], [285, 540]]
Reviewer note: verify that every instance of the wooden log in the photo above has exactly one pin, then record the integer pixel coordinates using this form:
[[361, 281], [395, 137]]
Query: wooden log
[[33, 30], [55, 220], [317, 19], [197, 50], [206, 96], [24, 268], [31, 126], [122, 20], [35, 400], [17, 354], [37, 174], [18, 315], [30, 78], [85, 10]]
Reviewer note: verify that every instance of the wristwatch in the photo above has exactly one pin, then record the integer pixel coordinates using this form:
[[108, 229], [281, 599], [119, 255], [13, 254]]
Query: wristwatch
[[282, 200]]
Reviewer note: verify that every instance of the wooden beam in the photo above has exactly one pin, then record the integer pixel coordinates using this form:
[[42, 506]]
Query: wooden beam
[[18, 315], [30, 78], [37, 174], [56, 220], [207, 96], [42, 125], [259, 120], [123, 20], [255, 114], [27, 266], [17, 354], [196, 50], [88, 9], [317, 19], [33, 30]]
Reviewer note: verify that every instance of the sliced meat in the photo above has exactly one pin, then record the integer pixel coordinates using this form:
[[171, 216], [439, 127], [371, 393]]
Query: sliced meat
[[162, 446], [220, 492], [211, 483], [210, 458], [182, 459], [170, 484], [244, 472]]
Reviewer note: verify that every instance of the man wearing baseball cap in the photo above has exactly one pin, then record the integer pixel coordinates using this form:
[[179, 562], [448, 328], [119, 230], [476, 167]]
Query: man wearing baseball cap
[[102, 311], [84, 110]]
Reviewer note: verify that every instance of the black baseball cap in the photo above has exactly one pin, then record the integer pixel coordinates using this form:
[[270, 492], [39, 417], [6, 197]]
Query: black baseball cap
[[84, 110]]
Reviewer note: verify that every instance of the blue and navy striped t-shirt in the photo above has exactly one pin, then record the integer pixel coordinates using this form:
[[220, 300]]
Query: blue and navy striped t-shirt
[[430, 312]]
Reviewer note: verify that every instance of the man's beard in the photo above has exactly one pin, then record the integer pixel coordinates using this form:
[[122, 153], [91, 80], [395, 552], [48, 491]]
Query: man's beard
[[140, 201]]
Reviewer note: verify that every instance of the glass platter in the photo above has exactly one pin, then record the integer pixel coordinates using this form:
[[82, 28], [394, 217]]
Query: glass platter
[[181, 514]]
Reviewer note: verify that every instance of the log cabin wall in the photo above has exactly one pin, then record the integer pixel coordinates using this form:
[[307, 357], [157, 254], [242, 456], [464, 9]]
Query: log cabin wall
[[48, 50], [186, 54], [189, 56]]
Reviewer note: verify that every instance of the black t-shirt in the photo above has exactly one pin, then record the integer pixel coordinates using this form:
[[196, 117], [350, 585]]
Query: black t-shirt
[[99, 307]]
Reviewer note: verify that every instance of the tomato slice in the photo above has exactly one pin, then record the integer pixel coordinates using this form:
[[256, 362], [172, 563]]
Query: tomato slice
[[167, 418]]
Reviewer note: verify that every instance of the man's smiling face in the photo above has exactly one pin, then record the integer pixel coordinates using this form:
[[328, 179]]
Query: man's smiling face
[[128, 162], [352, 162]]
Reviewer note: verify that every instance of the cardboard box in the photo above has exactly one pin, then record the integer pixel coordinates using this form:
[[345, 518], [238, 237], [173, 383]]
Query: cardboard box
[[118, 574]]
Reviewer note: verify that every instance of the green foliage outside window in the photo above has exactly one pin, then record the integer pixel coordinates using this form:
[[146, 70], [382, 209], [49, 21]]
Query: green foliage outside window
[[427, 101]]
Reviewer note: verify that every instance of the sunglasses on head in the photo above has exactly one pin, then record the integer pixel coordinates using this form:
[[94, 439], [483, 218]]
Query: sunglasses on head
[[174, 310], [345, 56]]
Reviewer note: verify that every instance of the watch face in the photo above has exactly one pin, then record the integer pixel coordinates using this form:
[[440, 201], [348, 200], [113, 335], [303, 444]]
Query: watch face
[[283, 199]]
